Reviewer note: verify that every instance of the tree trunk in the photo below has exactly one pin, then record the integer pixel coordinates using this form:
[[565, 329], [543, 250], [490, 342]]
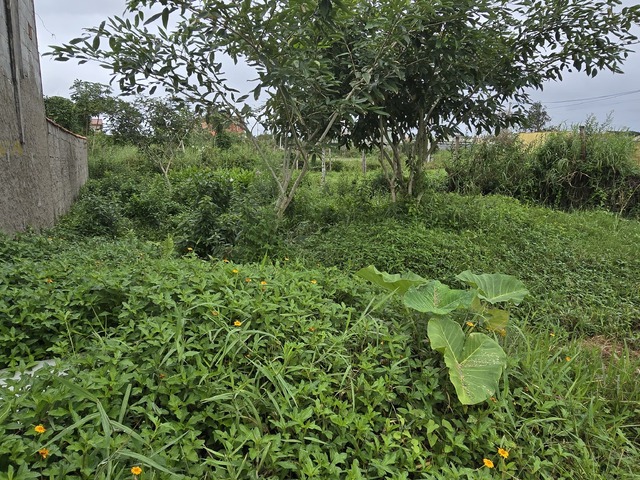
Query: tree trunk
[[324, 167]]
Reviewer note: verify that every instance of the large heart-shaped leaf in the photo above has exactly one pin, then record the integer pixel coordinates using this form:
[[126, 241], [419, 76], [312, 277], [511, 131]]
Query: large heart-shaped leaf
[[495, 287], [496, 319], [475, 365], [437, 298], [396, 282]]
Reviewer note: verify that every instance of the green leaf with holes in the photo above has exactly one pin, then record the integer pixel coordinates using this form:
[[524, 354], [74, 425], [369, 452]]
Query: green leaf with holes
[[475, 364]]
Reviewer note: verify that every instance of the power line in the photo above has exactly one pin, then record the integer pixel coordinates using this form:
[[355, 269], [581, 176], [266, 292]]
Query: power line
[[601, 97]]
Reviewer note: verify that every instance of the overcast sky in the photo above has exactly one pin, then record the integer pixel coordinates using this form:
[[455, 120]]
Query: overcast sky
[[569, 101]]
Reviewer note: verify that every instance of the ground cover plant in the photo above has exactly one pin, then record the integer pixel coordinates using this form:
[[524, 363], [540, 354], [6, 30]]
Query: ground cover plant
[[192, 342]]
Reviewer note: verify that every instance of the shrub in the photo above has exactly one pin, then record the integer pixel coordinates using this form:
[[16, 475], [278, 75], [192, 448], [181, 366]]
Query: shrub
[[492, 165], [596, 171], [566, 171]]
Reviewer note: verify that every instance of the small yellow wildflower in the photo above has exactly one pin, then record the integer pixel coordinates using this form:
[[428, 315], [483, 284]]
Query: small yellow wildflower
[[286, 259], [568, 359], [247, 279], [235, 270], [189, 249], [471, 324], [503, 453], [552, 334], [136, 470], [263, 282], [40, 429], [48, 280], [44, 453], [487, 463], [225, 260], [237, 323], [314, 281]]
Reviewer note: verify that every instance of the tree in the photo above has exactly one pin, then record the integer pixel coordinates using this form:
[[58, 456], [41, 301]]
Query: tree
[[374, 74], [91, 99], [63, 111], [126, 122], [536, 118], [464, 62]]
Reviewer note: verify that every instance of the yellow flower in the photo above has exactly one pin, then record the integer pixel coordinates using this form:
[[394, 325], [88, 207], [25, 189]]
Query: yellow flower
[[568, 359], [48, 280], [503, 453], [235, 270], [286, 259], [189, 249], [237, 323], [552, 334], [471, 324], [225, 260], [487, 463], [136, 471], [263, 282], [247, 279], [44, 453], [40, 429], [314, 281]]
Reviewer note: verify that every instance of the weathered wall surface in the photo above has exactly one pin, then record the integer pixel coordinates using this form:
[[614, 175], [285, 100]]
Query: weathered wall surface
[[68, 163], [31, 175]]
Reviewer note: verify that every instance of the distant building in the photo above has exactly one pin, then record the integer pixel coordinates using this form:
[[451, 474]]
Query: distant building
[[235, 128], [96, 124]]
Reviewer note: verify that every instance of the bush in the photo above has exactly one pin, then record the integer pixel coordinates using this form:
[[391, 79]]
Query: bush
[[595, 172], [492, 165], [566, 171]]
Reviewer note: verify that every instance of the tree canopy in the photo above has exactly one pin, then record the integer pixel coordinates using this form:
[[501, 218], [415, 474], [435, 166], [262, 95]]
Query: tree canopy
[[371, 74]]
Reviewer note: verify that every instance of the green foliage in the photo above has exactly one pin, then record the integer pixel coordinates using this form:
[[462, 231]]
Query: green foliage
[[493, 165], [203, 367], [597, 171], [475, 363], [580, 268], [91, 99], [536, 118], [567, 171], [153, 371], [64, 112]]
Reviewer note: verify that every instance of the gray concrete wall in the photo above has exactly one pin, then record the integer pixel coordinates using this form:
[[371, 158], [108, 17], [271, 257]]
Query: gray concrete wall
[[36, 184], [68, 162]]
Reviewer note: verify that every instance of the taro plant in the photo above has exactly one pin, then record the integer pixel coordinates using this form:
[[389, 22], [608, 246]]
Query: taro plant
[[475, 360]]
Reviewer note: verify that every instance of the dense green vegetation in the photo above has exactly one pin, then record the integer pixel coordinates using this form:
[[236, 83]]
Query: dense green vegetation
[[196, 336], [569, 169]]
